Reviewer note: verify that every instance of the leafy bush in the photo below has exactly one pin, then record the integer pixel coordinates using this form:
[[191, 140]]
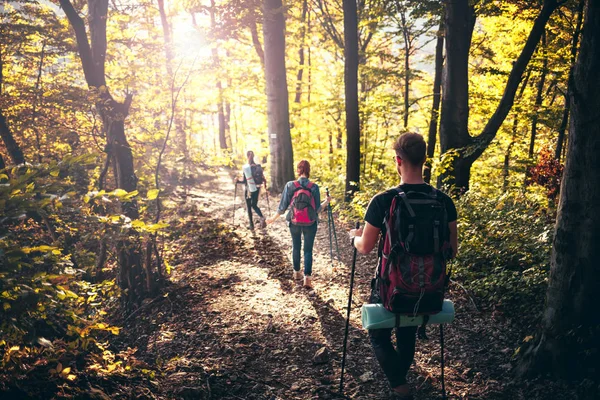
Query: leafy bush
[[51, 319], [504, 250]]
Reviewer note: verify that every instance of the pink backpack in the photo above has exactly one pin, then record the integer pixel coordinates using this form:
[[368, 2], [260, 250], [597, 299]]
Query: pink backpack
[[304, 209]]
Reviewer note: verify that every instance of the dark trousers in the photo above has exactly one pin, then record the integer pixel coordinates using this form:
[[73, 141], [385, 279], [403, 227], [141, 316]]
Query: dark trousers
[[394, 362], [309, 233], [252, 204]]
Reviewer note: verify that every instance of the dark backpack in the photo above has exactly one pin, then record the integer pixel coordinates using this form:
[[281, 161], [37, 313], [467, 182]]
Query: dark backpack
[[411, 275], [257, 174], [304, 209]]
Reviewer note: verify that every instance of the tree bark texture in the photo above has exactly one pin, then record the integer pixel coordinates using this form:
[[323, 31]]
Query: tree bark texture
[[454, 135], [351, 98], [565, 117], [437, 95], [278, 115], [570, 333], [459, 22], [12, 147]]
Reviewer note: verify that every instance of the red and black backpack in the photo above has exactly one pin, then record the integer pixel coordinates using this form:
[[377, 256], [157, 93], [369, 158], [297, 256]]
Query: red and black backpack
[[411, 275], [304, 209]]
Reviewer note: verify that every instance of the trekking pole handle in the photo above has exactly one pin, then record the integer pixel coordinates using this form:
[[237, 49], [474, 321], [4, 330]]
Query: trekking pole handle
[[327, 191], [356, 227]]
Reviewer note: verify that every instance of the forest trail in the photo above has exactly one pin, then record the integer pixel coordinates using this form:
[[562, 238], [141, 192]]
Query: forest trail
[[234, 325]]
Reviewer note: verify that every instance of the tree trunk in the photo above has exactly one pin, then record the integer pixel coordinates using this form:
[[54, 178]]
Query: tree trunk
[[539, 96], [435, 108], [112, 113], [507, 154], [351, 98], [459, 22], [167, 36], [565, 117], [12, 147], [454, 136], [219, 85], [280, 141], [34, 108], [168, 39], [568, 343], [301, 53], [407, 50], [255, 37]]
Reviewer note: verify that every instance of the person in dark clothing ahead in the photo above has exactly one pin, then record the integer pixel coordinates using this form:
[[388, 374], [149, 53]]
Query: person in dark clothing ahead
[[409, 159]]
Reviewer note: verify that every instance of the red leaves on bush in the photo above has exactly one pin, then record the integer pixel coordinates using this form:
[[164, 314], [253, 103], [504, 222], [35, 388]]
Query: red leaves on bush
[[547, 173]]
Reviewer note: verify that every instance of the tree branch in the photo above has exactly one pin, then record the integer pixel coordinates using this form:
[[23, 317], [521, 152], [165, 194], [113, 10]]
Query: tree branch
[[516, 74], [83, 45]]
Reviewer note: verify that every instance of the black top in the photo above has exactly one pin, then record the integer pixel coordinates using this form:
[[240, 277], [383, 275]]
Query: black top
[[380, 204]]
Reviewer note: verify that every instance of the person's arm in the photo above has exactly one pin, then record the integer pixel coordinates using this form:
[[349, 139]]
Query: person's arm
[[283, 205], [365, 239], [324, 204], [239, 181], [453, 237]]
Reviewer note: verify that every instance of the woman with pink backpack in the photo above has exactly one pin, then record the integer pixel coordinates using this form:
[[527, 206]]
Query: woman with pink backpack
[[303, 198]]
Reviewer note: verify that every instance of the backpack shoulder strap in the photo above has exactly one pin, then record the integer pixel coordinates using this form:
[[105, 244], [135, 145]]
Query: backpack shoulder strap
[[402, 196], [309, 185], [297, 184]]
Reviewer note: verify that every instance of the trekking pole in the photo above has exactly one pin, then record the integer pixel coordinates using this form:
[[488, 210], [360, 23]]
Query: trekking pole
[[267, 194], [337, 248], [329, 228], [330, 215], [348, 315], [234, 196], [442, 360]]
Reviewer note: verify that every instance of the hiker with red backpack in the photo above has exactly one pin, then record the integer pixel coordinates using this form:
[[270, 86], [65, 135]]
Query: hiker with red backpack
[[253, 178], [303, 198], [418, 236]]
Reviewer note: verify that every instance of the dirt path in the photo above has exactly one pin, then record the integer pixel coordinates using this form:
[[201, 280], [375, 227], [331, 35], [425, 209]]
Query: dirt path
[[233, 325]]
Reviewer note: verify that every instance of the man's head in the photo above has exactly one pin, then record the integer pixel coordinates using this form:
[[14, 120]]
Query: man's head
[[410, 148], [250, 155]]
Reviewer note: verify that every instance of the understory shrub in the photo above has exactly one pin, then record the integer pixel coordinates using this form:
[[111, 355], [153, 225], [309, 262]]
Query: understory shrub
[[504, 251]]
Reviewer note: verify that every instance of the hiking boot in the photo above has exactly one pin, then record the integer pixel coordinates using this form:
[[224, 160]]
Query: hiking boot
[[307, 281], [297, 275], [263, 223], [402, 392]]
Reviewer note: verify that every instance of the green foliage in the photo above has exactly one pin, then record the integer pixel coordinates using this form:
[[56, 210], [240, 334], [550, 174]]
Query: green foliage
[[504, 251], [50, 314]]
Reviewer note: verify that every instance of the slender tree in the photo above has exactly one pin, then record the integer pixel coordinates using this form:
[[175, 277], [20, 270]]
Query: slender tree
[[92, 53], [12, 147], [571, 322], [278, 114], [351, 98], [437, 96], [539, 97]]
